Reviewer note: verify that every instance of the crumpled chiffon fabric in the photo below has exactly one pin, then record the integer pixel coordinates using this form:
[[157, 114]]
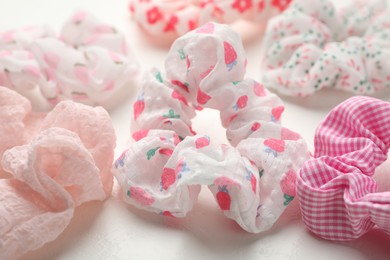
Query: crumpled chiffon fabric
[[88, 62], [312, 45], [51, 163], [252, 181]]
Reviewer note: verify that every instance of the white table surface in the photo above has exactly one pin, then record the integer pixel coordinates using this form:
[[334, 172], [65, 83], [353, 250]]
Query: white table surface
[[114, 230]]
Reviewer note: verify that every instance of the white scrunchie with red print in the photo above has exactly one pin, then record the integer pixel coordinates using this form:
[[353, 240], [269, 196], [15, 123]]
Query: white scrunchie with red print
[[164, 169]]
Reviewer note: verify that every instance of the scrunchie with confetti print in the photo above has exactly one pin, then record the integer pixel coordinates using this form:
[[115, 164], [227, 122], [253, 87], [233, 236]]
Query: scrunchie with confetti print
[[313, 46], [89, 62], [254, 180]]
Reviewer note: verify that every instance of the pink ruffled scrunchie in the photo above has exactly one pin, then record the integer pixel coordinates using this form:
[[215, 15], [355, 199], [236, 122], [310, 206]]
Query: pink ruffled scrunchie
[[89, 61], [177, 17], [311, 46], [339, 198], [164, 170], [50, 165]]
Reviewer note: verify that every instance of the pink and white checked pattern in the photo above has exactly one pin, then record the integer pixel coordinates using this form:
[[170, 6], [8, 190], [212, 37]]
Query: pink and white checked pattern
[[338, 198]]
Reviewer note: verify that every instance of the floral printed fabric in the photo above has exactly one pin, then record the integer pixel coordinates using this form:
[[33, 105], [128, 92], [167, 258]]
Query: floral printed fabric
[[339, 198], [311, 46], [89, 62], [50, 165], [162, 17], [163, 171]]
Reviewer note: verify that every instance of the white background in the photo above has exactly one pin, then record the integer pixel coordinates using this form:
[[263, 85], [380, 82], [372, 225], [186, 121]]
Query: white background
[[113, 230]]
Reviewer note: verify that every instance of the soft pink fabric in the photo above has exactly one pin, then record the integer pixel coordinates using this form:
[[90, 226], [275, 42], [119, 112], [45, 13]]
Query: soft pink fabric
[[252, 182], [338, 197], [50, 164]]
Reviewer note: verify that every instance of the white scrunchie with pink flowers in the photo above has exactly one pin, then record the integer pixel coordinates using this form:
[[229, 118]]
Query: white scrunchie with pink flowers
[[177, 17]]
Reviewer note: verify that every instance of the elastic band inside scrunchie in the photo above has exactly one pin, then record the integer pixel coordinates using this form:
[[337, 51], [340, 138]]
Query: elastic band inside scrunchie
[[163, 171], [89, 62], [177, 17], [311, 46], [339, 198], [50, 164]]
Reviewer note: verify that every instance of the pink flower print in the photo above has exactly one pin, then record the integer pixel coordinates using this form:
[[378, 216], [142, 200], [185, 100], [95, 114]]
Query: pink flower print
[[276, 113], [274, 146], [168, 178], [171, 24], [230, 55], [81, 73], [202, 142], [261, 6], [280, 4], [138, 106], [206, 28], [242, 5], [140, 134], [241, 102], [153, 15], [192, 24], [140, 195], [202, 97]]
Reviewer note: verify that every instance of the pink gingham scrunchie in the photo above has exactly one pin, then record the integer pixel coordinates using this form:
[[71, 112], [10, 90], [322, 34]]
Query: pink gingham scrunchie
[[177, 17], [338, 197], [88, 62], [311, 46], [164, 169]]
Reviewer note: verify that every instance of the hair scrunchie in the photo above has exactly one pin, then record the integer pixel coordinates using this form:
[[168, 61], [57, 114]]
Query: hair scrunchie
[[51, 163], [164, 169], [88, 62], [177, 17], [311, 46], [339, 198]]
